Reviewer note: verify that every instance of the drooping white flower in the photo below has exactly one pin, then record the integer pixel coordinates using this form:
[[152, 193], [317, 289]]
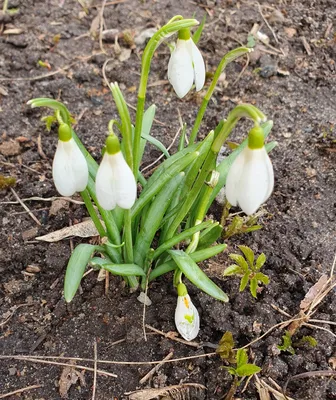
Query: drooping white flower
[[70, 170], [186, 66], [250, 179], [187, 320], [115, 182]]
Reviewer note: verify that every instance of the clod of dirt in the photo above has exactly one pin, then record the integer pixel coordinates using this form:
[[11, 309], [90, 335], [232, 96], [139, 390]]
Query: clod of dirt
[[57, 206], [10, 148]]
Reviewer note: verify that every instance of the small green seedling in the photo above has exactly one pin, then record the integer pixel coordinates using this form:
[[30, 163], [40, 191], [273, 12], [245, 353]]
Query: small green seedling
[[248, 268], [289, 346], [240, 367]]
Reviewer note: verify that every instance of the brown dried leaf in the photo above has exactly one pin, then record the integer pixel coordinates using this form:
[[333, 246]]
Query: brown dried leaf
[[10, 148], [57, 205], [332, 362], [174, 392], [83, 229], [69, 377], [313, 292]]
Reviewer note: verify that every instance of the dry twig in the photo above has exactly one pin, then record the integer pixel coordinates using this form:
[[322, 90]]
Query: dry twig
[[25, 207], [172, 337], [95, 370], [3, 396], [150, 374]]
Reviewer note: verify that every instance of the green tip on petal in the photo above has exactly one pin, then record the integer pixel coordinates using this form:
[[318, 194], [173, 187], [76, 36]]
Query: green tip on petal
[[256, 138], [189, 318], [182, 290], [184, 34], [112, 144], [64, 133]]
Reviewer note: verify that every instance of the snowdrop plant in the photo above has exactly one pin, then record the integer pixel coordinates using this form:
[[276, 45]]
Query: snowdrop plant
[[164, 229]]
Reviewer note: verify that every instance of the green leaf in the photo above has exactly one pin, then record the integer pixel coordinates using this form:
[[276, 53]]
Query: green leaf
[[233, 270], [241, 357], [250, 41], [225, 348], [248, 253], [306, 339], [244, 281], [124, 269], [247, 370], [262, 278], [197, 35], [156, 143], [260, 261], [147, 123], [209, 236], [270, 146], [231, 370], [252, 228], [76, 267], [287, 343], [240, 260], [192, 271], [254, 287], [49, 120]]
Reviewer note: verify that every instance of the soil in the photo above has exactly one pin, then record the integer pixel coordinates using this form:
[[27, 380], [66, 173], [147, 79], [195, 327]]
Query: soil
[[293, 82]]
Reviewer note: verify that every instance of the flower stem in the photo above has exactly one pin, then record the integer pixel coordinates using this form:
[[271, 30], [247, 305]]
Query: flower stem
[[229, 57]]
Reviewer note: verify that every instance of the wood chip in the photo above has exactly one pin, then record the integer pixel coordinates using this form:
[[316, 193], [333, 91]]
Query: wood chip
[[29, 233], [306, 45]]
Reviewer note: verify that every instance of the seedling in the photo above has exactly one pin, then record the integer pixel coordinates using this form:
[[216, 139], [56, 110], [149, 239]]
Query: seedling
[[248, 269], [289, 346]]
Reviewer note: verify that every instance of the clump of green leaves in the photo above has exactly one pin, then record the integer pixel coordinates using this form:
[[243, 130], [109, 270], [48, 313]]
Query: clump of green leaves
[[249, 269], [289, 346]]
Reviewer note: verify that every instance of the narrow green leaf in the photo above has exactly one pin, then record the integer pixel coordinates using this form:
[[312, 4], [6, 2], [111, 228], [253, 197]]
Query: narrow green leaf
[[247, 370], [240, 260], [241, 357], [192, 271], [209, 236], [254, 287], [197, 35], [179, 238], [260, 261], [248, 253], [233, 270], [262, 278], [197, 256], [76, 267], [244, 281], [124, 269], [156, 143], [147, 123]]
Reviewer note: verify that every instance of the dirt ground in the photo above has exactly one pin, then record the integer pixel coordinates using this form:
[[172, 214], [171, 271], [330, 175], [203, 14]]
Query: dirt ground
[[292, 80]]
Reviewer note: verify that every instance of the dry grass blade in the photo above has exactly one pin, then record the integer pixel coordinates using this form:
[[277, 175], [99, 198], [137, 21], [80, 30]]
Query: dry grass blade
[[95, 370], [25, 207], [150, 374], [3, 396], [182, 391], [275, 392], [313, 292]]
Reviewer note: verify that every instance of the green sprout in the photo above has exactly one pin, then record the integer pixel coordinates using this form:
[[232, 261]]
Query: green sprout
[[289, 346], [249, 269]]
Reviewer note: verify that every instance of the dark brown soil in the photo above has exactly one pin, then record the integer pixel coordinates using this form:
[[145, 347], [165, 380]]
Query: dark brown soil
[[299, 227]]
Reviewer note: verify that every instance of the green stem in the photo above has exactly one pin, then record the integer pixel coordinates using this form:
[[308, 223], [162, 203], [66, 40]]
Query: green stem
[[92, 212], [5, 6], [170, 28], [128, 237], [229, 57]]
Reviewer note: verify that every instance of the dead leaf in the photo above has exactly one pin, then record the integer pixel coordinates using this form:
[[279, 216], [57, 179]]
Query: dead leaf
[[57, 206], [125, 54], [95, 24], [10, 148], [83, 229], [313, 292], [69, 377], [175, 392], [3, 91], [29, 233], [332, 362], [290, 32]]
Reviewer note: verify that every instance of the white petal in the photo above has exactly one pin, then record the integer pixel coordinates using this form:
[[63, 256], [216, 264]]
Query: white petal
[[233, 179], [80, 168], [63, 174], [180, 69], [123, 181], [254, 182], [270, 177], [186, 318], [199, 67], [105, 191]]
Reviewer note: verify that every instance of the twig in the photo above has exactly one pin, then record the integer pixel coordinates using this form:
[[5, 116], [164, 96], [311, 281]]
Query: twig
[[95, 370], [169, 336], [13, 312], [266, 22], [101, 18], [320, 327], [309, 374], [243, 70], [25, 207], [333, 268], [150, 374], [44, 199], [37, 359], [40, 149], [43, 359], [3, 396], [110, 3]]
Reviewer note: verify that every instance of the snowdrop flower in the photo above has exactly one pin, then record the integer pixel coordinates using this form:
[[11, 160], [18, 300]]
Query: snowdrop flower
[[115, 182], [250, 179], [70, 170], [186, 65], [186, 315]]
